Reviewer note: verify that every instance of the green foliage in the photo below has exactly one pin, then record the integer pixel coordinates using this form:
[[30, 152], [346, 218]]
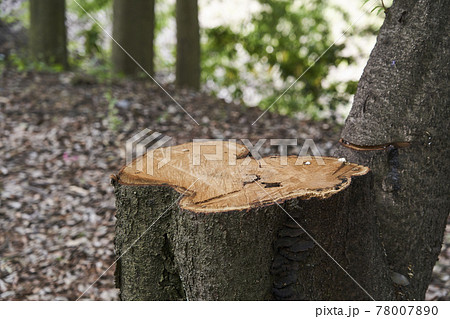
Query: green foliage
[[90, 6], [2, 64], [17, 13], [282, 42], [92, 37], [381, 7], [114, 121], [22, 64], [91, 34], [164, 15], [164, 12], [286, 40]]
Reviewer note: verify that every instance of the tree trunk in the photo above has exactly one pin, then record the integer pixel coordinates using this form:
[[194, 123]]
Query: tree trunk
[[342, 225], [399, 127], [146, 271], [243, 229], [133, 28], [188, 44], [48, 41]]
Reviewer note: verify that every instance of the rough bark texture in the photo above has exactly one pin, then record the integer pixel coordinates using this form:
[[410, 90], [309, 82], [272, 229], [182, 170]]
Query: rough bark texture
[[48, 31], [345, 226], [188, 44], [185, 255], [227, 256], [145, 269], [133, 29], [403, 96]]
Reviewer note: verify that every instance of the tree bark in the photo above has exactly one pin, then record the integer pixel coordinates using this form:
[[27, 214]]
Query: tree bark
[[145, 267], [246, 231], [399, 127], [349, 267], [226, 255], [48, 39], [133, 29], [188, 45]]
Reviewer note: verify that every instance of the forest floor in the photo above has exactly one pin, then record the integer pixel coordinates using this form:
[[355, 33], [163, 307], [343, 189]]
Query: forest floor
[[63, 135]]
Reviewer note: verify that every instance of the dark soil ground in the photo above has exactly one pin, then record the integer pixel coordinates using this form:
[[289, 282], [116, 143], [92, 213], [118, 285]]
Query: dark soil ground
[[61, 139]]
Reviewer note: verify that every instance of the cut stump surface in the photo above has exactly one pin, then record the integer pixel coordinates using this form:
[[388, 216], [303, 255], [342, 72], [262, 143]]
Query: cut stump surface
[[219, 176]]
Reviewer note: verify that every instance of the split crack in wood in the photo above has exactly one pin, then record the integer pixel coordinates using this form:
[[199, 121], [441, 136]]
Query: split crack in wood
[[373, 147]]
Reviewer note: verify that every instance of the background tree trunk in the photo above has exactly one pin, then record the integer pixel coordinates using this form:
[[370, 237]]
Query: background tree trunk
[[133, 29], [188, 44], [48, 42], [399, 127]]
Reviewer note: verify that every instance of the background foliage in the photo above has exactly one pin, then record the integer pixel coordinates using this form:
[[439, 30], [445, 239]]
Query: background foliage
[[284, 41], [251, 63]]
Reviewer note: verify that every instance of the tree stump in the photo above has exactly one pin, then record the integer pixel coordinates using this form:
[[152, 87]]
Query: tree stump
[[204, 221]]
